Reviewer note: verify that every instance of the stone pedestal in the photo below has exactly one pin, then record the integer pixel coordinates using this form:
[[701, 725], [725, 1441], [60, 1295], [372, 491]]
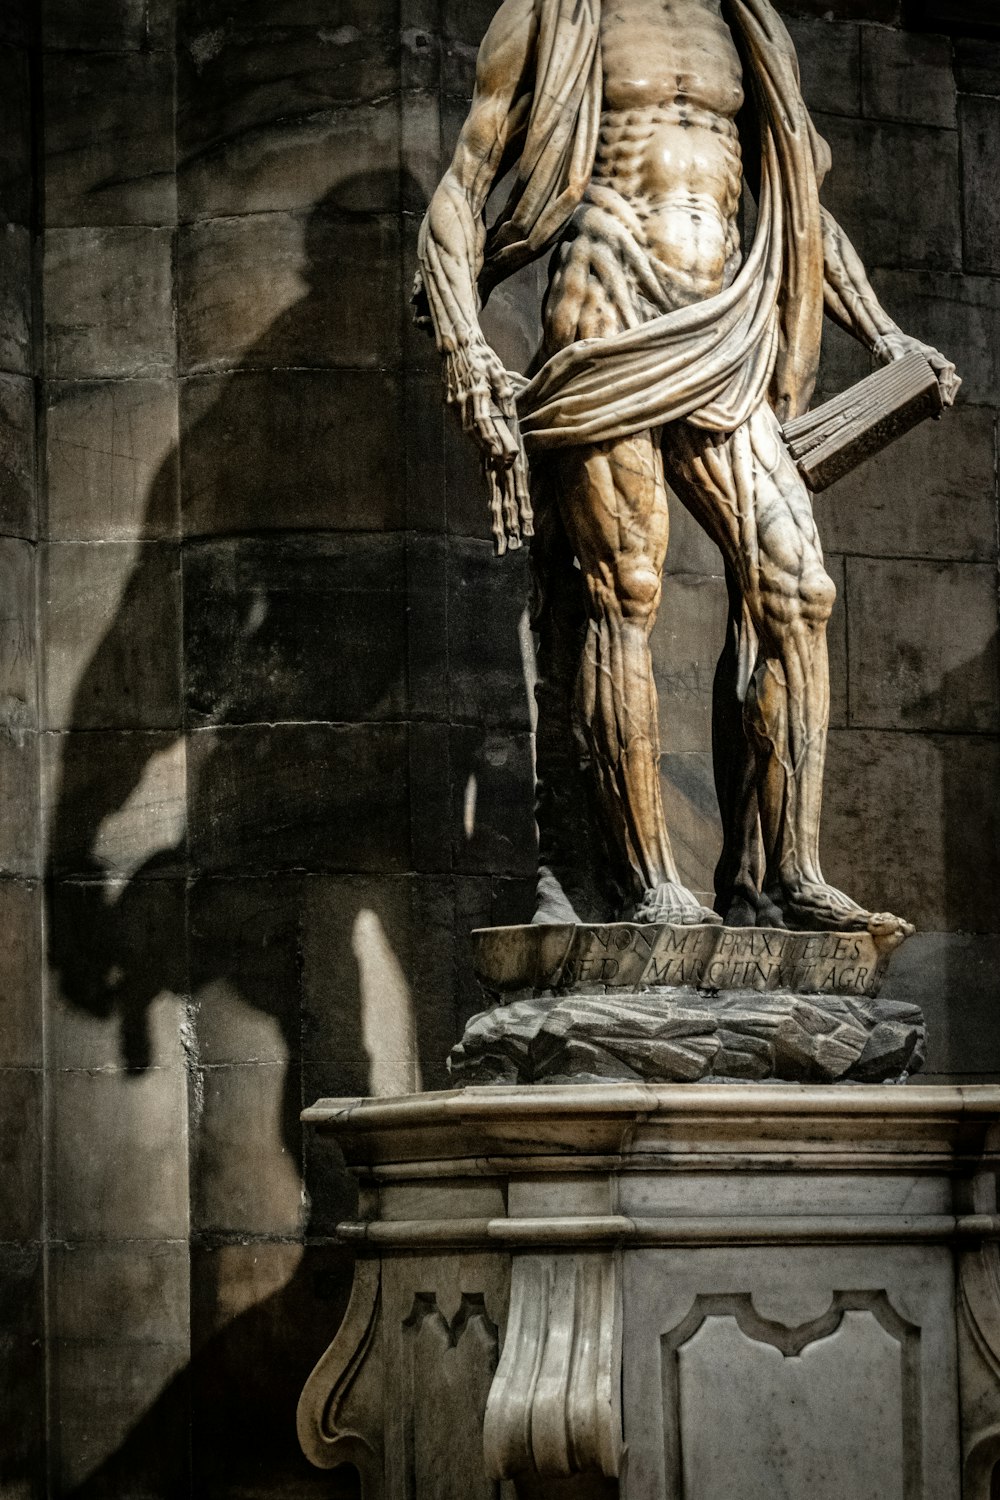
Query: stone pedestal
[[667, 1293], [570, 1003]]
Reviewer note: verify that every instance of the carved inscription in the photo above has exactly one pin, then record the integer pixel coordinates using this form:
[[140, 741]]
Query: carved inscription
[[626, 955]]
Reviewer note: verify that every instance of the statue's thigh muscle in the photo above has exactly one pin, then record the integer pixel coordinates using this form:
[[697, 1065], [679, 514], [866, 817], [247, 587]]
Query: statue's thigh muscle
[[746, 492], [614, 506], [793, 583]]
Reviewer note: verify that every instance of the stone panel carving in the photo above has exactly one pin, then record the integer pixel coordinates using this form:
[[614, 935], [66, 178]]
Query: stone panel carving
[[754, 1407], [555, 1407], [449, 1369]]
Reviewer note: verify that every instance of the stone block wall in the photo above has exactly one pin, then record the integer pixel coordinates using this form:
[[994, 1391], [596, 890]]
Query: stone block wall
[[22, 1227], [285, 704]]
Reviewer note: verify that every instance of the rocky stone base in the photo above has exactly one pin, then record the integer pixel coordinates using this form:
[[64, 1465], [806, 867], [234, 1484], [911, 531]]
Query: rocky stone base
[[675, 1035]]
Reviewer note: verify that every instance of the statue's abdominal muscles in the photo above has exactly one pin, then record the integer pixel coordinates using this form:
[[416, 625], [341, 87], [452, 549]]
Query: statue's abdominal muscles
[[659, 229]]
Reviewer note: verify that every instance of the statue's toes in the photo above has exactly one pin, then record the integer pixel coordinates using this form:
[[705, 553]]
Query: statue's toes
[[882, 924]]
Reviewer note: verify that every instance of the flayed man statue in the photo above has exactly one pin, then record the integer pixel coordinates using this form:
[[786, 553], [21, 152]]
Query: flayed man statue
[[671, 355]]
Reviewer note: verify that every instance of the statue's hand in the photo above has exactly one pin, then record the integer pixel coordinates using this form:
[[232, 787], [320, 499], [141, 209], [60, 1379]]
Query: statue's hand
[[897, 345], [479, 385]]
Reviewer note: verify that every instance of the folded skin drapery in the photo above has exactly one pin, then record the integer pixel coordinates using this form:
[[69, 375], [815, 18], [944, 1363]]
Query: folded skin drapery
[[712, 363]]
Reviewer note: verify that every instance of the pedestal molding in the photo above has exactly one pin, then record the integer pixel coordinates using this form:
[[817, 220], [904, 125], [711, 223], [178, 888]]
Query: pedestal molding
[[711, 1101], [615, 1230]]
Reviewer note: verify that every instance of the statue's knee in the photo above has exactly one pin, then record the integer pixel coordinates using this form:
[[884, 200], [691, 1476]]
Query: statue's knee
[[818, 594], [637, 584]]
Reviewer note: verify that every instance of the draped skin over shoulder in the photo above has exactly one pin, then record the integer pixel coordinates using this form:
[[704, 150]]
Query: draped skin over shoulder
[[712, 363]]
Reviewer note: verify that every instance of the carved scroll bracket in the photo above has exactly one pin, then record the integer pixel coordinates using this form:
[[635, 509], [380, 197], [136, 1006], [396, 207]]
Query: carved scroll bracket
[[979, 1352], [554, 1409], [340, 1417]]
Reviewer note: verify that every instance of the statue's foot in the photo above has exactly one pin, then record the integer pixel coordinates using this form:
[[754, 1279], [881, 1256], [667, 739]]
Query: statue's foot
[[552, 905], [672, 903], [814, 906], [752, 909]]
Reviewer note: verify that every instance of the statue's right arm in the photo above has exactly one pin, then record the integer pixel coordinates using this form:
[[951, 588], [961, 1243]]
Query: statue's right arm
[[450, 249]]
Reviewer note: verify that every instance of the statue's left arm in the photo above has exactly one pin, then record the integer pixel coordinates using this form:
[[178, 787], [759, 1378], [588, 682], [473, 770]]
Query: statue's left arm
[[851, 302]]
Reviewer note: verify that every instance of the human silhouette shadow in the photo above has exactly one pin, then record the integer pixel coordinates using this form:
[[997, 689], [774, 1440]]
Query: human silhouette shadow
[[119, 941]]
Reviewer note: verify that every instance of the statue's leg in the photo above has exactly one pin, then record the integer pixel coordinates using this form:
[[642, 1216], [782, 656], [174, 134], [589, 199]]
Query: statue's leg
[[739, 874], [570, 886], [747, 492], [613, 501]]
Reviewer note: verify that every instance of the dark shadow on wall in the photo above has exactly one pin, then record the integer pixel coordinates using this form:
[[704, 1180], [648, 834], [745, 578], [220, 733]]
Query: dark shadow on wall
[[116, 946], [971, 808]]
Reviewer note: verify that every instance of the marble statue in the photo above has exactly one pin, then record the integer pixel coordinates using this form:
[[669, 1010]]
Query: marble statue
[[671, 355]]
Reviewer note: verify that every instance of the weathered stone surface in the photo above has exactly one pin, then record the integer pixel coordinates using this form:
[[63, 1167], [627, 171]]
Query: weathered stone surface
[[491, 823], [979, 127], [105, 1292], [248, 1108], [20, 852], [932, 494], [977, 66], [376, 959], [868, 155], [244, 938], [299, 796], [280, 289], [18, 502], [112, 622], [830, 63], [109, 138], [21, 1155], [431, 797], [345, 156], [951, 312], [15, 23], [114, 803], [101, 1119], [116, 974], [112, 460], [692, 808], [23, 1360], [907, 76], [108, 25], [688, 635], [20, 974], [108, 302], [886, 11], [427, 610], [15, 143], [633, 956], [836, 640], [933, 852], [266, 450], [679, 1036], [106, 1389], [15, 299], [955, 979], [690, 549], [489, 651], [923, 649], [18, 636], [295, 628], [844, 362]]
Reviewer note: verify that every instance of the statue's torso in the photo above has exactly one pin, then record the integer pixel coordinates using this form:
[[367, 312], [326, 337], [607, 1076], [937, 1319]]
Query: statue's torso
[[669, 147]]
